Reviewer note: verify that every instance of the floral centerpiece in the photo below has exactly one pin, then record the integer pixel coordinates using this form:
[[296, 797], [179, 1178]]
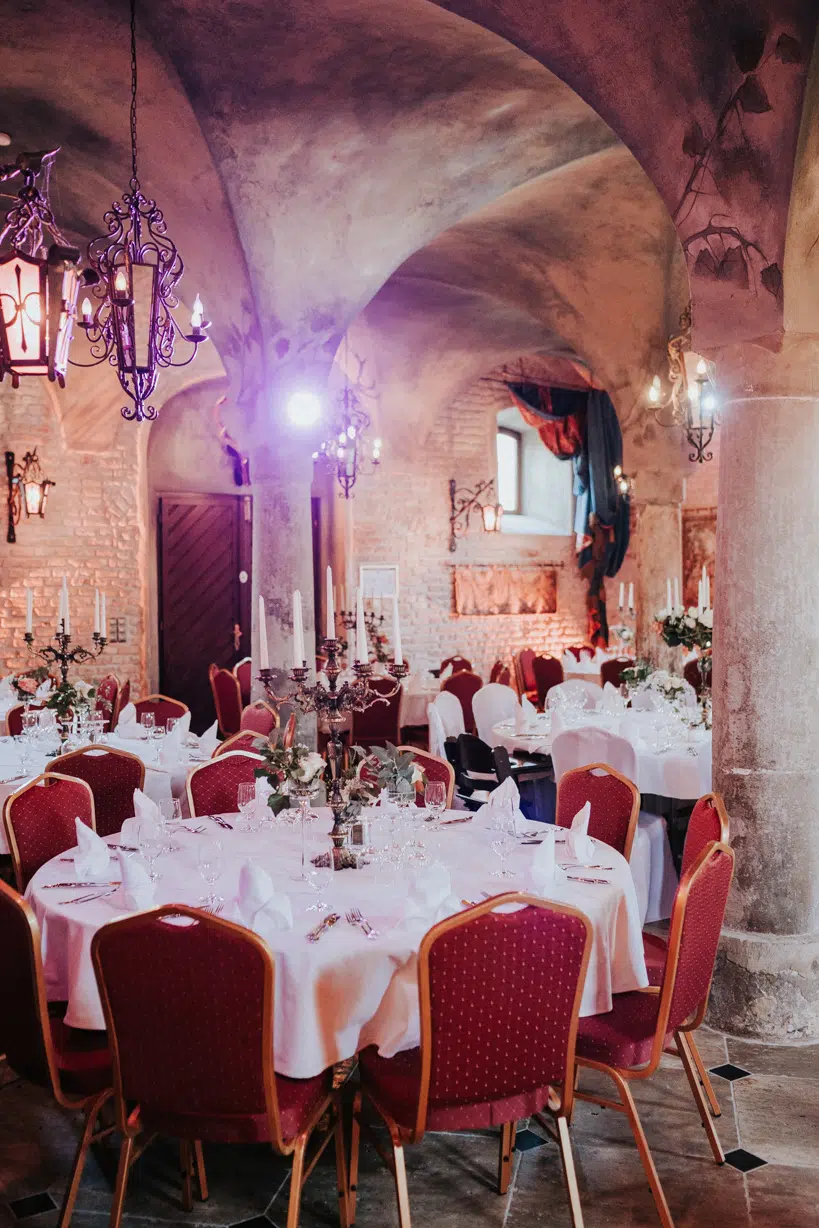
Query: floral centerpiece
[[392, 768], [25, 685], [296, 770], [670, 686], [71, 698], [692, 629], [637, 673]]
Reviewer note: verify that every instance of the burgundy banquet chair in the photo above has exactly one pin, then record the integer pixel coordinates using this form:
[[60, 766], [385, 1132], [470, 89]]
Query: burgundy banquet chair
[[227, 700], [189, 1005], [499, 996], [73, 1065], [112, 775], [243, 672], [434, 768], [612, 671], [615, 804], [162, 707], [213, 787], [123, 699], [380, 723], [457, 662], [244, 740], [14, 717], [548, 672], [106, 699], [260, 718], [464, 685], [39, 821], [501, 673], [525, 683]]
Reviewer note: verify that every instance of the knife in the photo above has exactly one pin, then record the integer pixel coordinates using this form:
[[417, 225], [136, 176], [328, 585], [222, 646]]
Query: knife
[[217, 818], [328, 921]]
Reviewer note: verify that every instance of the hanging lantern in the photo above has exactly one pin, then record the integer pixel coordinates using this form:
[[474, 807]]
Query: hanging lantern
[[38, 285], [131, 323], [691, 402], [27, 488]]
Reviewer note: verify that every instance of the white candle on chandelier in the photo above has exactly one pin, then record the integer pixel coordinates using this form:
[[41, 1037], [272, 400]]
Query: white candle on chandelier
[[631, 597], [361, 654], [298, 632], [622, 596], [668, 593], [96, 611], [700, 606], [87, 311], [264, 658], [121, 281], [66, 613], [29, 611], [331, 611], [197, 314], [396, 634], [676, 593], [103, 616]]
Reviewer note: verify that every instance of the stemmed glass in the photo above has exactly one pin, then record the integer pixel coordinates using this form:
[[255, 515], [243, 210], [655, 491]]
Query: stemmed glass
[[302, 793], [148, 722], [502, 846], [246, 802], [318, 879], [435, 801], [209, 857], [151, 846]]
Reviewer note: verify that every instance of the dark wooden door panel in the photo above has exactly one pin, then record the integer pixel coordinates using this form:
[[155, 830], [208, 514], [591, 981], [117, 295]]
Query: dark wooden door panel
[[204, 546]]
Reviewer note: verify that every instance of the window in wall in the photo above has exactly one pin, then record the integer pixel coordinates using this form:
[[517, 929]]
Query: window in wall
[[509, 457], [534, 486]]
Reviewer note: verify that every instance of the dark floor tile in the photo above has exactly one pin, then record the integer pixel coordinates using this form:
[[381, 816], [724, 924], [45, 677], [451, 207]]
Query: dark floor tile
[[783, 1197], [527, 1140], [258, 1221], [743, 1161], [779, 1120], [33, 1204], [729, 1072], [792, 1061]]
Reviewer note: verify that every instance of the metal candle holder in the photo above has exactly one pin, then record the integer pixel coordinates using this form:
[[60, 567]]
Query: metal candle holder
[[332, 703], [63, 655]]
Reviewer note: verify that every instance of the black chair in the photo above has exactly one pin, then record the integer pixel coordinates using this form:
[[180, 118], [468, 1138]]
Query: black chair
[[474, 770], [538, 791]]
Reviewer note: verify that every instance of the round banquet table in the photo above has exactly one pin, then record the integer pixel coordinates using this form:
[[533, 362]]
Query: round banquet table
[[682, 772], [344, 992]]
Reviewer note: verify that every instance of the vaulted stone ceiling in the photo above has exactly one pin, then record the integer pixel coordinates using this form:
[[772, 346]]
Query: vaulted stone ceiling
[[319, 161]]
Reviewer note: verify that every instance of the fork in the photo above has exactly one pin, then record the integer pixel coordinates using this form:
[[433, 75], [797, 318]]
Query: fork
[[94, 895], [354, 917], [217, 818]]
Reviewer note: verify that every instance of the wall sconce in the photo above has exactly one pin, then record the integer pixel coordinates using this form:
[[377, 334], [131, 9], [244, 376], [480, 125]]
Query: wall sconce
[[463, 502], [625, 484], [691, 401], [27, 488]]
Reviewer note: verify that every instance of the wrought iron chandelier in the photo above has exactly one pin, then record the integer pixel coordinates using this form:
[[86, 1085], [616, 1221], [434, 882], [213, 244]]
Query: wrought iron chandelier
[[347, 452], [132, 325], [691, 400], [38, 286]]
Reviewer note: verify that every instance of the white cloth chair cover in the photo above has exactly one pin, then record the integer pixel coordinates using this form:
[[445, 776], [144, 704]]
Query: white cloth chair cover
[[448, 707], [647, 701], [575, 748], [592, 693], [492, 703], [437, 733]]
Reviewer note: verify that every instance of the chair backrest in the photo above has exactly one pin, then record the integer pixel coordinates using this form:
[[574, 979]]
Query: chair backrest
[[612, 671], [501, 673], [574, 748], [615, 804], [112, 774], [458, 664], [39, 821], [449, 709], [227, 699], [492, 703], [14, 718], [244, 740], [474, 755], [213, 787], [464, 685], [107, 698], [578, 688], [123, 699], [289, 735], [435, 731], [188, 1003], [708, 824], [524, 670], [577, 649], [243, 672], [260, 717], [162, 706], [500, 995], [379, 723], [25, 1035], [434, 768], [692, 675], [547, 672], [503, 764]]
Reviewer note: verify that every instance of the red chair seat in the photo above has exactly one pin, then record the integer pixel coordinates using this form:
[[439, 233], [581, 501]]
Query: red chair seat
[[297, 1100], [655, 950], [395, 1082], [624, 1036], [83, 1058]]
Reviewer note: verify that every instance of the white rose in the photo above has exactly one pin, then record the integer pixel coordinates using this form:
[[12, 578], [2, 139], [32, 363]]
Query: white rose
[[692, 611], [707, 619], [417, 775], [311, 766], [83, 688], [661, 615], [691, 623]]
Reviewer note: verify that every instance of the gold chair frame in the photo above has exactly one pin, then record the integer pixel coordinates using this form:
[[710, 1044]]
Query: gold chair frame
[[212, 671], [635, 793], [560, 1105], [8, 823], [224, 747], [128, 1123]]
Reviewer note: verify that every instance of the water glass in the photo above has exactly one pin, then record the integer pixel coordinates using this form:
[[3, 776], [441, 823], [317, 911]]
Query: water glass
[[148, 722], [435, 801], [502, 847], [319, 879], [246, 802], [209, 859], [150, 841], [171, 723]]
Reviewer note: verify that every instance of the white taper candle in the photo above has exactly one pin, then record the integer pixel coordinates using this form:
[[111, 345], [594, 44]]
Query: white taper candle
[[298, 632], [396, 634], [331, 610], [96, 611], [361, 654], [29, 611], [264, 657]]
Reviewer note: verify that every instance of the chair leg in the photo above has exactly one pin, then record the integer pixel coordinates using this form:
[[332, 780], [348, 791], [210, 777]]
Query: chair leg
[[643, 1148], [564, 1142], [707, 1086], [70, 1198], [401, 1190], [186, 1170], [296, 1182], [123, 1168], [690, 1068], [355, 1147], [507, 1147], [341, 1170]]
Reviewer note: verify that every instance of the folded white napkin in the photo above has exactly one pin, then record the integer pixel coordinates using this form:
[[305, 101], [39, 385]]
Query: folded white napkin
[[579, 843], [612, 703], [127, 724], [542, 871], [91, 860], [145, 811], [263, 790], [600, 655], [6, 689], [44, 689], [259, 905], [209, 740], [586, 657], [507, 794], [521, 720], [569, 662], [136, 891], [430, 897]]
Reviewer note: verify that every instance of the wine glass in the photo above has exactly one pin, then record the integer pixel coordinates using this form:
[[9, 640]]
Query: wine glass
[[151, 845], [319, 879], [148, 722], [171, 723], [502, 846], [209, 859], [246, 801], [435, 801]]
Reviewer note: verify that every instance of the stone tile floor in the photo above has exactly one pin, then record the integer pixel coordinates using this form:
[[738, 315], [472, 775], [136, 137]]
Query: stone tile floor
[[772, 1113]]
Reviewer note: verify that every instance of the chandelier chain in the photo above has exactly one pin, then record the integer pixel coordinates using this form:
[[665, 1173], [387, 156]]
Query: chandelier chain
[[134, 178]]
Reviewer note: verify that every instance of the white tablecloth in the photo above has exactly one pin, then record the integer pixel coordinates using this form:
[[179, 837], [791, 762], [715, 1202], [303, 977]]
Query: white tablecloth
[[683, 772], [344, 992]]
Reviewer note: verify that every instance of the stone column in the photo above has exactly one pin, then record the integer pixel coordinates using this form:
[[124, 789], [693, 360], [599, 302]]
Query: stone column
[[658, 532], [766, 689]]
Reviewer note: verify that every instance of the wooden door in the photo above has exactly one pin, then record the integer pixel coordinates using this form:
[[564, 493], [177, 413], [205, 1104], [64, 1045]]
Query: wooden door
[[204, 544]]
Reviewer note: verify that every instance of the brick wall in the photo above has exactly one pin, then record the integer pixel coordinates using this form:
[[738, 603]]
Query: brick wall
[[401, 516], [93, 532]]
